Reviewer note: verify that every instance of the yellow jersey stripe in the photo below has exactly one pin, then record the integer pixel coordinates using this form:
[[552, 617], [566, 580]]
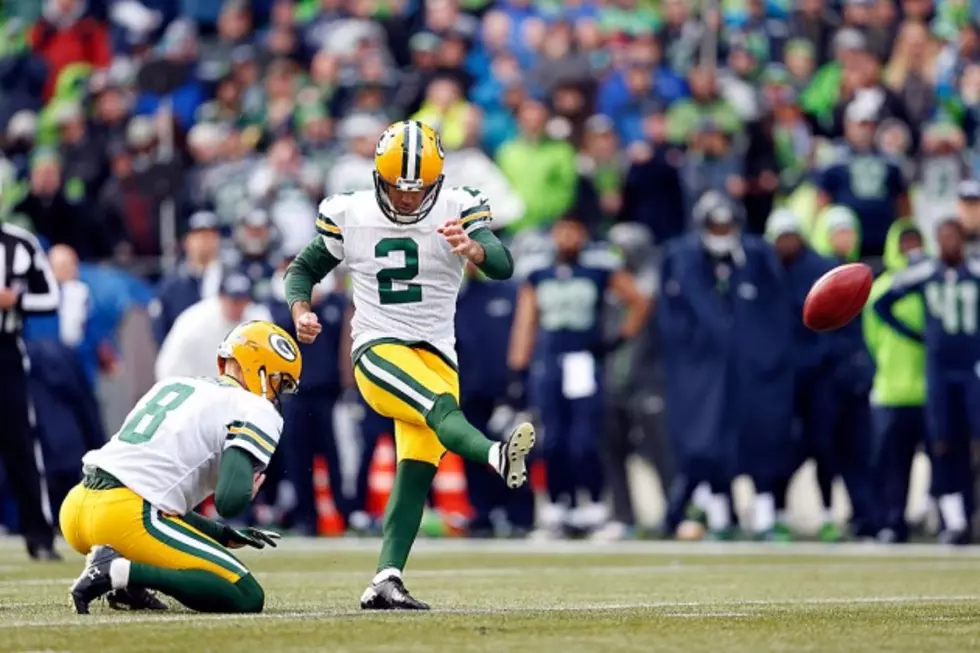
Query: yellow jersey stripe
[[253, 430], [475, 216], [245, 436], [328, 226]]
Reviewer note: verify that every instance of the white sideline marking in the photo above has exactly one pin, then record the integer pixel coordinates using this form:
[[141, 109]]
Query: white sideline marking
[[615, 570], [299, 545], [100, 620]]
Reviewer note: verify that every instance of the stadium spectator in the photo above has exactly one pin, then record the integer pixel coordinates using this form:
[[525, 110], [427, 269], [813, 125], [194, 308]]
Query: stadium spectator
[[188, 349], [685, 116], [470, 166], [197, 277], [56, 210], [64, 35], [533, 161], [353, 169], [878, 193]]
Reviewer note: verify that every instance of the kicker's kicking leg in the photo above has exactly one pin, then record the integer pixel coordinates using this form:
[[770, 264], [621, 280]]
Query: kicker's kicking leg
[[459, 436]]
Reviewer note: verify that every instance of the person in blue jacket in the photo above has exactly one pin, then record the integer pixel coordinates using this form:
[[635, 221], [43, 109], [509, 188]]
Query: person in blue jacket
[[484, 315], [950, 286], [198, 276], [308, 417], [557, 350], [67, 419], [726, 327], [255, 252], [853, 377], [813, 404]]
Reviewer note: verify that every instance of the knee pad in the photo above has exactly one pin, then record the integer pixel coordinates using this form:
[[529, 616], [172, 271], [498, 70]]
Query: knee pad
[[442, 407]]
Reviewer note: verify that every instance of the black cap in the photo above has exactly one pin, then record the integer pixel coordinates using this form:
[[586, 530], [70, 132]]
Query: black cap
[[236, 285], [969, 190], [202, 220]]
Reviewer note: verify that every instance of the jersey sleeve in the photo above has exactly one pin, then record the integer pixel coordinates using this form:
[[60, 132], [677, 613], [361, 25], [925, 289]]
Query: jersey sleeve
[[257, 433], [330, 220], [474, 209]]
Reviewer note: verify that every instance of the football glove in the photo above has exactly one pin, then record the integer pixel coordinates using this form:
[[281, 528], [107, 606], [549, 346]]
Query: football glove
[[253, 537]]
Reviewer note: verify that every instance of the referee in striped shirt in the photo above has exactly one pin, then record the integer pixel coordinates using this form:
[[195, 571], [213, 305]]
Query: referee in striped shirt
[[27, 287]]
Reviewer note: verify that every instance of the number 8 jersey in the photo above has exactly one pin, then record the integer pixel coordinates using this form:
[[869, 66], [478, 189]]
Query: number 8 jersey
[[169, 449], [405, 277]]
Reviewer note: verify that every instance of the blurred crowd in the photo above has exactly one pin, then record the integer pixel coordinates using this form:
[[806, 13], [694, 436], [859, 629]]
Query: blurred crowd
[[172, 154]]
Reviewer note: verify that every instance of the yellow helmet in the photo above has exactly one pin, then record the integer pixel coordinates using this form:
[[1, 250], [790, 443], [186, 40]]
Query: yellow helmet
[[408, 160], [269, 357]]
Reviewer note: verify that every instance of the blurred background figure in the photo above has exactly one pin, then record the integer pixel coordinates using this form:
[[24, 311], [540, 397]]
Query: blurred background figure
[[188, 348], [899, 391], [484, 318], [197, 277], [309, 416], [557, 349], [813, 403]]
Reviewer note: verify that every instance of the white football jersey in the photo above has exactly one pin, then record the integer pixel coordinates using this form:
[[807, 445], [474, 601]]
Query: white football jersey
[[169, 449], [405, 277]]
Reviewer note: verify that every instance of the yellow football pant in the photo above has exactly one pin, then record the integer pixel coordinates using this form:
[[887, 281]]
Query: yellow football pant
[[402, 383], [122, 519]]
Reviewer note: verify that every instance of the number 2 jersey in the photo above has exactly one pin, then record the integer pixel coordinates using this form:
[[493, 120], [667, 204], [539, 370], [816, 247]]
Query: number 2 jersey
[[405, 277], [169, 449]]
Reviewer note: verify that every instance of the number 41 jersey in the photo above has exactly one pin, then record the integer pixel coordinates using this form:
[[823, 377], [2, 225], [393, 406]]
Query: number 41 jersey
[[405, 277], [169, 449]]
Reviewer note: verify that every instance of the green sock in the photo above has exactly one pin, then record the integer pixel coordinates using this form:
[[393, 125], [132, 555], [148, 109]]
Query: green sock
[[413, 479], [456, 433], [200, 590]]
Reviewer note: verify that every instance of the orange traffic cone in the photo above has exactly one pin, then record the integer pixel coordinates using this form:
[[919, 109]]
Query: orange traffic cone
[[329, 521], [381, 476], [449, 494]]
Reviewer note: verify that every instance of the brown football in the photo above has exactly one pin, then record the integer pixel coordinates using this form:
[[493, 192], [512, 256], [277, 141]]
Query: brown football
[[837, 297]]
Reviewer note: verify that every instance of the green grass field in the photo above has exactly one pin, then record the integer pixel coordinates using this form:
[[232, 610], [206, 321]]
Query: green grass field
[[567, 597]]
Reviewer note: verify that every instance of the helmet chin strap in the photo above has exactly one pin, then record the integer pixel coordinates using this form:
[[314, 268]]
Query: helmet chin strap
[[264, 382]]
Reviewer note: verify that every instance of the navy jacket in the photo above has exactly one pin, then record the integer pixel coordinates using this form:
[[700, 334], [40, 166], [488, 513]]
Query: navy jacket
[[484, 316], [952, 299], [810, 349], [321, 364], [176, 293], [68, 421], [727, 347]]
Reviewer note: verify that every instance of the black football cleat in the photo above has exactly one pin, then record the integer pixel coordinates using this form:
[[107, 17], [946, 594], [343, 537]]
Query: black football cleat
[[134, 598], [94, 581], [513, 455], [390, 594]]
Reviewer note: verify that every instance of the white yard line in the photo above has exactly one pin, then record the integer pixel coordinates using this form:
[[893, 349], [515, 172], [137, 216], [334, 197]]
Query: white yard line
[[101, 620], [613, 570], [301, 545]]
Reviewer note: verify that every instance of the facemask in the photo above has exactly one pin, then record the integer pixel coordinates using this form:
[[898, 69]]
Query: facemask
[[719, 245]]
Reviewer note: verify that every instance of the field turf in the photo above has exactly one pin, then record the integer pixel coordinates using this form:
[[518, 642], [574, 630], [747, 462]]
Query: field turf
[[542, 598]]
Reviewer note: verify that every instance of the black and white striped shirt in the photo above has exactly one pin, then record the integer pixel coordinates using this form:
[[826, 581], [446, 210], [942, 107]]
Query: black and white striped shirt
[[24, 267]]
